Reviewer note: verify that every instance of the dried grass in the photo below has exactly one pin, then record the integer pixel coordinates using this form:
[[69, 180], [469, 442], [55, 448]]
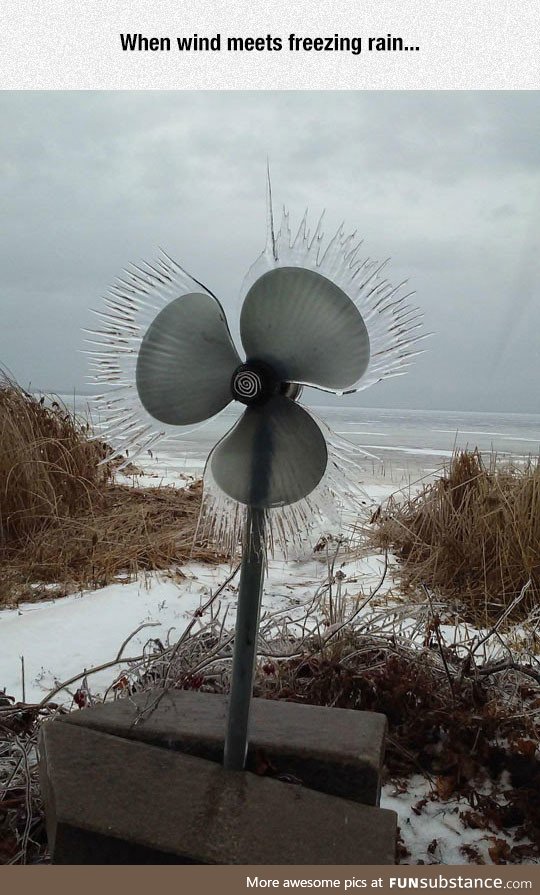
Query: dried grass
[[473, 534], [48, 465], [63, 520], [466, 721]]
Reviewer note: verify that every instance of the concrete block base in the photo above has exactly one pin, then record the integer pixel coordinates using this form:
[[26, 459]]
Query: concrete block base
[[110, 800], [337, 751]]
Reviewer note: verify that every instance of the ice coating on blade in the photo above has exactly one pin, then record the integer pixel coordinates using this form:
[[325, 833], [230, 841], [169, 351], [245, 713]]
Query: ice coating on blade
[[186, 361], [131, 306], [392, 323], [275, 455], [306, 328], [346, 328], [337, 502]]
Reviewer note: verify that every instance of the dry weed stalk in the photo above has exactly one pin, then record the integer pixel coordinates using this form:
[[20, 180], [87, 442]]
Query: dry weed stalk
[[473, 534], [22, 829], [64, 522], [48, 465], [458, 709]]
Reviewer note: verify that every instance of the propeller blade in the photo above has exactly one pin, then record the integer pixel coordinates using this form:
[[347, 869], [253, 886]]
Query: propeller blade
[[186, 361], [274, 455], [306, 328]]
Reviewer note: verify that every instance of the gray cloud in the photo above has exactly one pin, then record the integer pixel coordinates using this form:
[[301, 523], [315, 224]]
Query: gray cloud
[[447, 184]]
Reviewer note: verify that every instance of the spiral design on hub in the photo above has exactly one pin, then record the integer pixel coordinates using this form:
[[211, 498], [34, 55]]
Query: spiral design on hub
[[247, 384]]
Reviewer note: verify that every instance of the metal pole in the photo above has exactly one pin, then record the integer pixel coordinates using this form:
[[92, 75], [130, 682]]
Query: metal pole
[[245, 642]]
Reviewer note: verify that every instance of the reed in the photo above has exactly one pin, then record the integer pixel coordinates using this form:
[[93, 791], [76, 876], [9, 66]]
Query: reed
[[63, 519], [474, 534], [48, 465]]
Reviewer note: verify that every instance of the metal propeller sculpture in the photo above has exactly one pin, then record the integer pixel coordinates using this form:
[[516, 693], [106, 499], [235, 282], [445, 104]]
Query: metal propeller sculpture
[[313, 314]]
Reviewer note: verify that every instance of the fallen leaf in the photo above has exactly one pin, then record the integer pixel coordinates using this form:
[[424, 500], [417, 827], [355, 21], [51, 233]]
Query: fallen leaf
[[474, 820], [446, 786], [472, 853], [499, 852], [419, 805], [525, 747]]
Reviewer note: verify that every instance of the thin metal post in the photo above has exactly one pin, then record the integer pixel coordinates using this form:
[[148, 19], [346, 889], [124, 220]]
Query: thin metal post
[[245, 642]]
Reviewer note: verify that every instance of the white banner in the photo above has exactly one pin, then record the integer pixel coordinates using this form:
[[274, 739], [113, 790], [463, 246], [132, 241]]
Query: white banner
[[181, 44]]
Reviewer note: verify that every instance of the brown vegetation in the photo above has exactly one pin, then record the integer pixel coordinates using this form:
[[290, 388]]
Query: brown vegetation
[[63, 521], [462, 726], [466, 724], [48, 465], [473, 534]]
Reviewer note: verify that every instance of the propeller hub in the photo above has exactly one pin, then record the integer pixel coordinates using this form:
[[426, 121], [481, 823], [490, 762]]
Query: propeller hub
[[254, 383]]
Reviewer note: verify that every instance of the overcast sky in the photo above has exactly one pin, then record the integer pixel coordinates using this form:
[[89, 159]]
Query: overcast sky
[[445, 184]]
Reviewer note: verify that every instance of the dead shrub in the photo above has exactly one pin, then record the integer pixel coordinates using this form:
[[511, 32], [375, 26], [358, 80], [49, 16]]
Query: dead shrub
[[64, 521], [467, 722], [48, 465], [474, 534]]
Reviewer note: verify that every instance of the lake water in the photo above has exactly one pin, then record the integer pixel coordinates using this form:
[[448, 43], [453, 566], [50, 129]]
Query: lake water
[[397, 437]]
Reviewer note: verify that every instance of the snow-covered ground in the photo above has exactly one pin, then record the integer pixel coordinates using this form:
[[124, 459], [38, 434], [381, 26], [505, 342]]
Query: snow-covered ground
[[61, 638]]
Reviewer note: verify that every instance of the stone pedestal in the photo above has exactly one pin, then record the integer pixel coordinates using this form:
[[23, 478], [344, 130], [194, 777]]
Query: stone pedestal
[[125, 786]]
